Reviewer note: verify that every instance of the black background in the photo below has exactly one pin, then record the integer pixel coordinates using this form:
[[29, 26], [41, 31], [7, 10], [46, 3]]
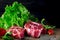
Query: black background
[[40, 8]]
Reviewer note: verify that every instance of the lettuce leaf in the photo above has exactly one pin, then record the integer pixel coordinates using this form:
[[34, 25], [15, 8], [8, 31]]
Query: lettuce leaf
[[15, 14]]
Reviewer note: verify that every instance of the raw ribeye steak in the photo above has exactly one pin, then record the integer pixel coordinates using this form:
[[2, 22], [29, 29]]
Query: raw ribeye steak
[[17, 31], [33, 29]]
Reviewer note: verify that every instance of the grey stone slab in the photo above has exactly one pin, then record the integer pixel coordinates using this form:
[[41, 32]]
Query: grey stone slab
[[42, 37]]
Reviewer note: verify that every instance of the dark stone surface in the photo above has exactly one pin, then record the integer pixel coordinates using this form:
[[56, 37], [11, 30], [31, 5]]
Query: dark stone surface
[[42, 37]]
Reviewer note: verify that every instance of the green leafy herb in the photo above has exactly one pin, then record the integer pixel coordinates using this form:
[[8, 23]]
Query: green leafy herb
[[7, 37], [31, 17], [45, 25], [15, 14]]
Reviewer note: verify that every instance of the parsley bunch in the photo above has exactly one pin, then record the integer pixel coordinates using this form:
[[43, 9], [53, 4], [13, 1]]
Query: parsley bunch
[[15, 14]]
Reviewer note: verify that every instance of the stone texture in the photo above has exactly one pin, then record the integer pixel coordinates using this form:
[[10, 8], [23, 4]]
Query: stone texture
[[42, 37]]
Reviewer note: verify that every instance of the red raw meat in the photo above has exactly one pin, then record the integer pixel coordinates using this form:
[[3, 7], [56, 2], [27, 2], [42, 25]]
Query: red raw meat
[[2, 32], [33, 29], [50, 31], [17, 32], [44, 31]]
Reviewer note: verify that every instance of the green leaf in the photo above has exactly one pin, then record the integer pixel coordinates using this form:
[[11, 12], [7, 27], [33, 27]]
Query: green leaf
[[15, 14], [46, 26], [8, 36]]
